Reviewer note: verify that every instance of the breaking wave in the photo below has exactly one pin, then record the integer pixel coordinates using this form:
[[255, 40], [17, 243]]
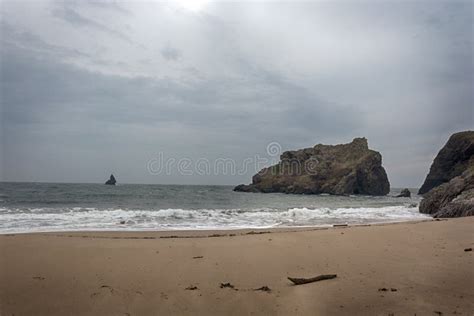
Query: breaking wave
[[44, 219]]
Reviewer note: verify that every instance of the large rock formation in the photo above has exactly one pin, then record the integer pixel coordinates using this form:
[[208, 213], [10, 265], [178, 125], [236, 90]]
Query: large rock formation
[[451, 160], [454, 169], [452, 199], [341, 169]]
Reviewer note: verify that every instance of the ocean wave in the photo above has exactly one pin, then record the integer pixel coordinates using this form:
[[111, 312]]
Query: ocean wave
[[90, 218]]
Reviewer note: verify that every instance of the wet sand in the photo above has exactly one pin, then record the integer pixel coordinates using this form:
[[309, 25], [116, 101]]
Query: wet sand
[[422, 267]]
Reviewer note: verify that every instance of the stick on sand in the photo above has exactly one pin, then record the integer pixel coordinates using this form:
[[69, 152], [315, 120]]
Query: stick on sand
[[299, 281]]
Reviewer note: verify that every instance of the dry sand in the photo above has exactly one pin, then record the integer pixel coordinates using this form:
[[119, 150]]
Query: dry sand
[[142, 273]]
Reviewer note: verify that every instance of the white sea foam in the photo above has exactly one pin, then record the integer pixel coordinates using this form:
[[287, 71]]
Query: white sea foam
[[90, 218]]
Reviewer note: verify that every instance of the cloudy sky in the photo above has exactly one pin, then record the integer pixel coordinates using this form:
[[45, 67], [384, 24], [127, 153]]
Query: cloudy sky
[[94, 87]]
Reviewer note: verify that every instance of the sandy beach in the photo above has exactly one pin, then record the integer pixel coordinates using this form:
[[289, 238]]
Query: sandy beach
[[417, 268]]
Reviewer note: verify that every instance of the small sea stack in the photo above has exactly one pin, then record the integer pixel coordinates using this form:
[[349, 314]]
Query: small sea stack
[[111, 180], [404, 193]]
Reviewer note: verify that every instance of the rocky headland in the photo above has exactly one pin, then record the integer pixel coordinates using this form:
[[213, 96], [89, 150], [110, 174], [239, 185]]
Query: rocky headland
[[342, 169], [452, 160], [449, 187]]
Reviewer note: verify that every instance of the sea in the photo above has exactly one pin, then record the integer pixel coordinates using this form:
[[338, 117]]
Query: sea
[[50, 207]]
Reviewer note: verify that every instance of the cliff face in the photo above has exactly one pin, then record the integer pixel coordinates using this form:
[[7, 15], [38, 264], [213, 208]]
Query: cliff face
[[451, 161], [454, 169], [341, 169], [452, 199]]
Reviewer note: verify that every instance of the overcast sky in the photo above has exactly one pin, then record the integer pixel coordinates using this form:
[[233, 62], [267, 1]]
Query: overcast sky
[[94, 87]]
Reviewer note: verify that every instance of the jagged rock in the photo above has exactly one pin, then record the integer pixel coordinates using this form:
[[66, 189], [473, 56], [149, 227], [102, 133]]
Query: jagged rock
[[340, 169], [404, 193], [452, 199], [111, 180], [454, 169], [246, 188], [451, 160]]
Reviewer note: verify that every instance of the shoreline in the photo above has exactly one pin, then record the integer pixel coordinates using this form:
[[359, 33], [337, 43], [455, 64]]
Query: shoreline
[[180, 273], [201, 233]]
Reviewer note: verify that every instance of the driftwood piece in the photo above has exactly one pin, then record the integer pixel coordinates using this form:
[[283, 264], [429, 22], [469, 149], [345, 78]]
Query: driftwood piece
[[299, 281], [263, 288], [225, 285]]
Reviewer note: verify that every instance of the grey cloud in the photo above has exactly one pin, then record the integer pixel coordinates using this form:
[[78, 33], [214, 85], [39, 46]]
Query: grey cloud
[[170, 53], [402, 75], [32, 42], [68, 13], [25, 40], [109, 5], [62, 97]]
